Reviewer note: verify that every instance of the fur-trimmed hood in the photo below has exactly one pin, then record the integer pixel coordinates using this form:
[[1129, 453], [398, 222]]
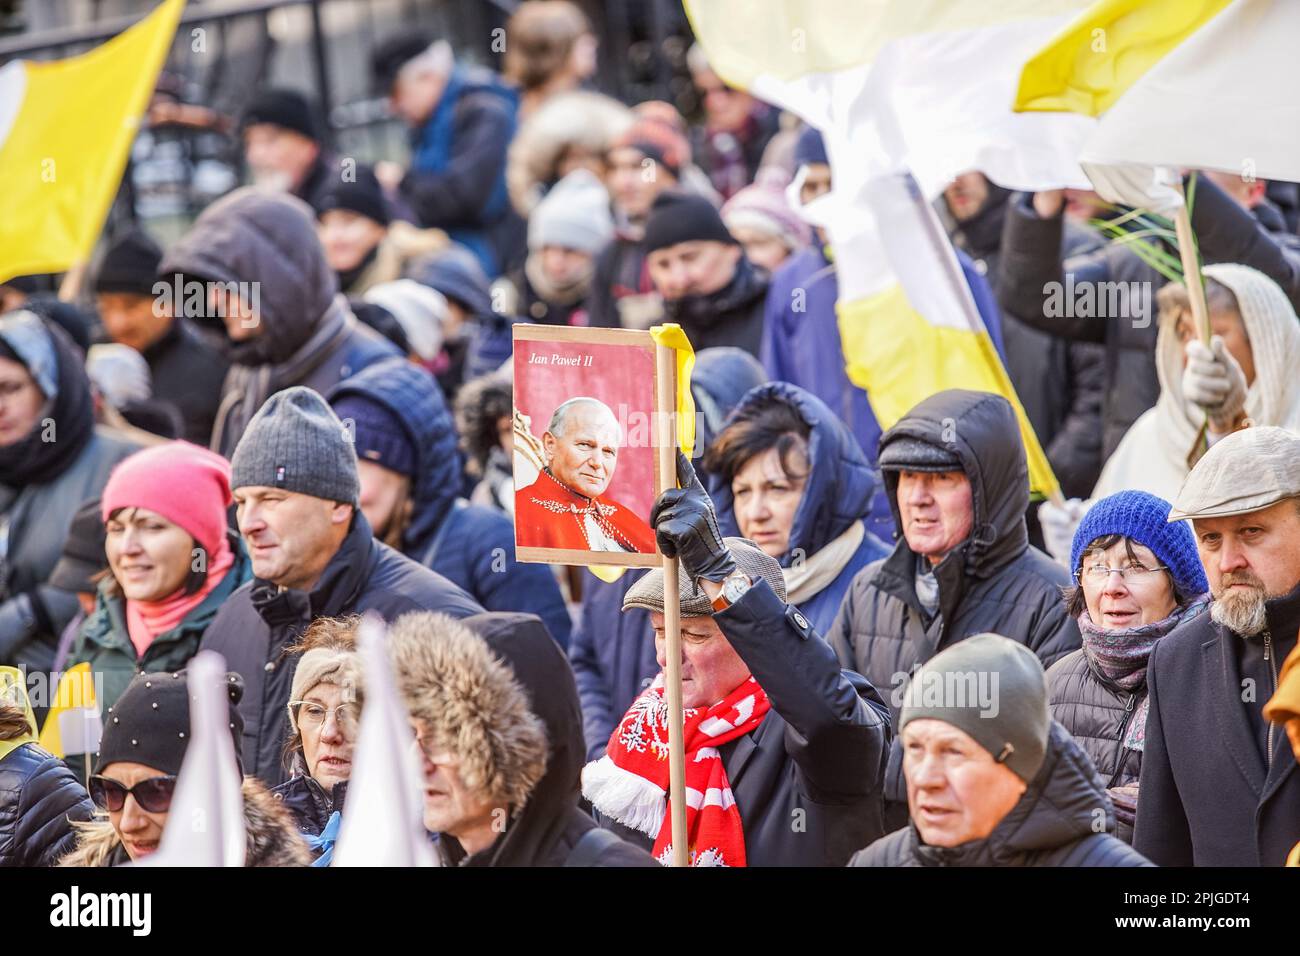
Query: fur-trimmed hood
[[590, 121], [273, 838], [470, 701]]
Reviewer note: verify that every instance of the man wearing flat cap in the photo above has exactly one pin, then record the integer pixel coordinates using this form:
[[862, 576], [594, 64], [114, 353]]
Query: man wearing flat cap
[[785, 753], [1219, 784]]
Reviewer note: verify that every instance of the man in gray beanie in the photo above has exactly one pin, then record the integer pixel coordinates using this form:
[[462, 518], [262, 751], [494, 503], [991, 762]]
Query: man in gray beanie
[[294, 480], [1219, 784], [794, 747], [992, 780]]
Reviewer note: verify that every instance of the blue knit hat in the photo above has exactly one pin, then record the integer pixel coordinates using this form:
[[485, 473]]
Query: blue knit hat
[[1144, 518]]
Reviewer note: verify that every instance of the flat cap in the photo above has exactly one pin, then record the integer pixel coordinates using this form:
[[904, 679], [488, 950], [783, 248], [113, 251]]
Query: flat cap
[[1246, 471], [648, 593]]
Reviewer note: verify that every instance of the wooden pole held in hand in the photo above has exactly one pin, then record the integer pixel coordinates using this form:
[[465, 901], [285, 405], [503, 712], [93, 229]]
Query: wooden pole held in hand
[[666, 402]]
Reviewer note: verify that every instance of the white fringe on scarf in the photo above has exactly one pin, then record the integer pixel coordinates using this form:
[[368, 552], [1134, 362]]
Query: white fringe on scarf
[[627, 797]]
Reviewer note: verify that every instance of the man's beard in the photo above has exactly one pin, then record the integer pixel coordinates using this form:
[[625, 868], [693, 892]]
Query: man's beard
[[1241, 611]]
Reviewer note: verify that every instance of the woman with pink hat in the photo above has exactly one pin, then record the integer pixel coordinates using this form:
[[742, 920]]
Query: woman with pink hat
[[172, 562]]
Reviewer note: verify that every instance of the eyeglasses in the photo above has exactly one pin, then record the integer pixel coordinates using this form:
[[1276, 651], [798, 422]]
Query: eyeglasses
[[1097, 575], [153, 795], [307, 713]]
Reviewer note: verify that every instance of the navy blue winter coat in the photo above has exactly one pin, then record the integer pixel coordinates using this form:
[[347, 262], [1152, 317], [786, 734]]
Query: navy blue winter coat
[[838, 491], [471, 545]]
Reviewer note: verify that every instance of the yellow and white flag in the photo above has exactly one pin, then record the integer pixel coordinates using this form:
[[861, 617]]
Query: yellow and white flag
[[906, 96], [74, 724], [66, 127]]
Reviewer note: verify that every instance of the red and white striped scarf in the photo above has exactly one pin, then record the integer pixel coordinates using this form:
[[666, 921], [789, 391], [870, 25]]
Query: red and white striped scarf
[[630, 783]]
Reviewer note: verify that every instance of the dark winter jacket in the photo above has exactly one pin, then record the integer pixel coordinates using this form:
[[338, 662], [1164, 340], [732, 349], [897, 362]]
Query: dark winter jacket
[[1058, 381], [259, 621], [1213, 792], [1052, 824], [801, 345], [622, 295], [456, 179], [837, 493], [551, 823], [731, 316], [1098, 714], [308, 334], [272, 838], [39, 797], [471, 545], [995, 581], [1033, 274], [818, 757], [310, 804], [105, 642], [188, 372]]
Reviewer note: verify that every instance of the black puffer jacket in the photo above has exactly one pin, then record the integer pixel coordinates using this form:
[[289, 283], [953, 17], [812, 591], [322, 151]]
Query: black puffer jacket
[[1053, 824], [993, 582], [309, 802], [39, 797], [1098, 715]]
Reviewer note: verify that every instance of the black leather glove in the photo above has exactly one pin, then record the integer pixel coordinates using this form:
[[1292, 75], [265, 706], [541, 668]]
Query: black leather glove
[[686, 527]]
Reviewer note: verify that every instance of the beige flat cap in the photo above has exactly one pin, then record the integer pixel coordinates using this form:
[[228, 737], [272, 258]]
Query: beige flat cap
[[1246, 471]]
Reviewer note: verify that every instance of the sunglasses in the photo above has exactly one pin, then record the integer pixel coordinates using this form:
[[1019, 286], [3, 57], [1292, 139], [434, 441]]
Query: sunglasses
[[153, 795]]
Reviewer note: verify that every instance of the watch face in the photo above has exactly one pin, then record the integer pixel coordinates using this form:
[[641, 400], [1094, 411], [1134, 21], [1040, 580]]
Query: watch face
[[734, 588]]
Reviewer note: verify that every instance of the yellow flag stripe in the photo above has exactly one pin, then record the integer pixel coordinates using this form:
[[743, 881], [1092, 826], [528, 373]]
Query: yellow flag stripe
[[1097, 57], [67, 148], [901, 360], [76, 690]]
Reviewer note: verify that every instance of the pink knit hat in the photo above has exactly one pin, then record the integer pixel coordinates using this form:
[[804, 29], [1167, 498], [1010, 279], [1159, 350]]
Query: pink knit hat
[[186, 484], [762, 205]]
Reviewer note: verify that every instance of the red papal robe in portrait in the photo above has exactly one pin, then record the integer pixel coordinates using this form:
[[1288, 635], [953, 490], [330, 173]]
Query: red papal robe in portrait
[[549, 514]]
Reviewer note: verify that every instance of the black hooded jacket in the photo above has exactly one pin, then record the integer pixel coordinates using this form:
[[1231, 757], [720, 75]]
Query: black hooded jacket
[[995, 581], [551, 823], [1053, 824], [731, 316]]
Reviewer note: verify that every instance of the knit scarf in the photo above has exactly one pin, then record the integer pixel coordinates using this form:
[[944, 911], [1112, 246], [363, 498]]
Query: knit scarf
[[821, 568], [1121, 656], [630, 783], [146, 620]]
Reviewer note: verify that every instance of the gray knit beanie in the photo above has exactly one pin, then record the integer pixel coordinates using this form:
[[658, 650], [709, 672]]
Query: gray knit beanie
[[992, 688], [295, 442]]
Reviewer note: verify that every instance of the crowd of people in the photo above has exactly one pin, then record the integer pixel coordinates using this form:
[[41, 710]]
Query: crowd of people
[[301, 412]]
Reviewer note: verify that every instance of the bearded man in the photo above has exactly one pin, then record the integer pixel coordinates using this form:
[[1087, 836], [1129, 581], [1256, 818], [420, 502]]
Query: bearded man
[[1219, 783], [564, 507]]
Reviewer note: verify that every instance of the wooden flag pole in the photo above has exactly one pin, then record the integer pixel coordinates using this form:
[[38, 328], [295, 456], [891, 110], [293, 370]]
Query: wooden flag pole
[[1200, 313], [73, 280], [666, 393]]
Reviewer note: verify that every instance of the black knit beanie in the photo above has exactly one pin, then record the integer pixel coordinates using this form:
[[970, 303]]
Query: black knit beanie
[[359, 193], [130, 265], [285, 108], [150, 722], [681, 217]]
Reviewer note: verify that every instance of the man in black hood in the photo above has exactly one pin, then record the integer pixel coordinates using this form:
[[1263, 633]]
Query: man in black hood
[[500, 729], [708, 286]]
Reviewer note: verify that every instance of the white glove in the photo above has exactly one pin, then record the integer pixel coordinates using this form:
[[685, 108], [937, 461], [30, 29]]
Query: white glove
[[1058, 526], [1214, 381]]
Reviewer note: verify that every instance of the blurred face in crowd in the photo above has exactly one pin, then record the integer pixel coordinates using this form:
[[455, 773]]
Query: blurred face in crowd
[[816, 181], [449, 805], [278, 158], [698, 267], [385, 498], [1247, 193], [966, 195], [1249, 558], [241, 320], [956, 792], [726, 109], [1138, 597], [11, 298], [1227, 324], [149, 556], [327, 723], [936, 510], [584, 453], [711, 668], [634, 180], [291, 537], [21, 402], [348, 237], [564, 266], [139, 829], [767, 498], [132, 319], [761, 248], [416, 92]]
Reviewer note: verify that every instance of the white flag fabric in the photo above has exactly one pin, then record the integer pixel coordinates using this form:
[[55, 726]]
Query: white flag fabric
[[205, 825], [384, 821]]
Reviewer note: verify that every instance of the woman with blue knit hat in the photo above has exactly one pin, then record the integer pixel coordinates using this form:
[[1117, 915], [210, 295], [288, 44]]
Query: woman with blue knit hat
[[1137, 578]]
